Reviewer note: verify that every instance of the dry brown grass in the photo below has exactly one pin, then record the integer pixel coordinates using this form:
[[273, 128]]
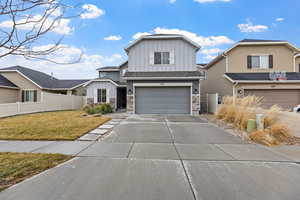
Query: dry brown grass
[[238, 111], [263, 137], [271, 116], [64, 125], [15, 167], [281, 133]]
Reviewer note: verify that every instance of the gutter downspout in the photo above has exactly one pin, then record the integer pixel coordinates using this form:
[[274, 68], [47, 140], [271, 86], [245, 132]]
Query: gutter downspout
[[234, 91]]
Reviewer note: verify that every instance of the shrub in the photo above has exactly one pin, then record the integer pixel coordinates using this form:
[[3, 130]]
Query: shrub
[[98, 109], [105, 108]]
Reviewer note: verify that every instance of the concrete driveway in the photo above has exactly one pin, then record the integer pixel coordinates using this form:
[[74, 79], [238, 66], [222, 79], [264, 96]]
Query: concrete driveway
[[167, 157]]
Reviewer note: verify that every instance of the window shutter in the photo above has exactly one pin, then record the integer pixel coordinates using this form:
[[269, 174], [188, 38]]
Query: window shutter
[[35, 96], [249, 62], [172, 57], [23, 96], [151, 58], [270, 61], [98, 96], [107, 96]]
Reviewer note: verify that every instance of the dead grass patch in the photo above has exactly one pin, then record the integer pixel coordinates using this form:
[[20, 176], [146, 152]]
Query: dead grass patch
[[237, 111], [15, 167], [63, 125]]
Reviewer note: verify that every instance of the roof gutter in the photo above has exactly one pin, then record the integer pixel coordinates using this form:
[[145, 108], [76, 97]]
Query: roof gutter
[[9, 87], [164, 78]]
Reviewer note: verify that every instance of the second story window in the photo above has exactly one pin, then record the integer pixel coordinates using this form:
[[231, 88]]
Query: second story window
[[102, 74], [260, 62], [161, 58]]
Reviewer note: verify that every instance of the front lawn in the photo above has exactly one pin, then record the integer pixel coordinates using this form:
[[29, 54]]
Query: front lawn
[[15, 167], [62, 125]]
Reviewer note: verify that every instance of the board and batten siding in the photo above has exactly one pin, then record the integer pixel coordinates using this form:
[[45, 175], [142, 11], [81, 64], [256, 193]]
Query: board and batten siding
[[93, 87], [184, 55]]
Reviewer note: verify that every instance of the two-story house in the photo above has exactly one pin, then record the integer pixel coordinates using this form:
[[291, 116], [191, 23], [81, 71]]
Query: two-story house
[[161, 77], [264, 68]]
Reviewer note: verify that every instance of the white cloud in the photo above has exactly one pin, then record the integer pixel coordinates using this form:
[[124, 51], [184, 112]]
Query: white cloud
[[91, 11], [280, 19], [140, 34], [210, 1], [201, 40], [113, 37], [172, 1], [209, 54], [211, 51], [60, 27], [250, 27], [84, 69]]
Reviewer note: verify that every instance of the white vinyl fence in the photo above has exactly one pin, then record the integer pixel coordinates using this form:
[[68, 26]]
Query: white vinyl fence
[[49, 102]]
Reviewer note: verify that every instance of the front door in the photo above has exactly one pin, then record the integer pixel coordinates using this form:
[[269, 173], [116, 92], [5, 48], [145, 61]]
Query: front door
[[121, 98]]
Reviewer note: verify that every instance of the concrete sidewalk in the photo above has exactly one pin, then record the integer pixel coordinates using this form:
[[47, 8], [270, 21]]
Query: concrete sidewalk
[[162, 157]]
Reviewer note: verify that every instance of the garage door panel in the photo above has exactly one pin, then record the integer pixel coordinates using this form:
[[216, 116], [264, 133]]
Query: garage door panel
[[285, 98], [162, 100]]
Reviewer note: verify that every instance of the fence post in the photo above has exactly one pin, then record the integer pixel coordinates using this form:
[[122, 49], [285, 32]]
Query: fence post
[[72, 102], [18, 108]]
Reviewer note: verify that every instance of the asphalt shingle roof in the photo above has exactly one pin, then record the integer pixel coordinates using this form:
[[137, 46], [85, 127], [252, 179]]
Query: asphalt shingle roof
[[5, 82], [45, 80], [292, 76], [256, 40]]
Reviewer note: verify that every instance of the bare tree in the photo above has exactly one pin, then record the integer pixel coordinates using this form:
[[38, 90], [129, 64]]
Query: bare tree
[[27, 23]]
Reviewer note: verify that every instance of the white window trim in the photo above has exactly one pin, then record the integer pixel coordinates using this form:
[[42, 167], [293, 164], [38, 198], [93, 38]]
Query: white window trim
[[260, 67], [107, 93], [171, 57], [27, 90]]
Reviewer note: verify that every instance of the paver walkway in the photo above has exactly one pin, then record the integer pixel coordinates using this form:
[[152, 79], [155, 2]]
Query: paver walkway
[[162, 157]]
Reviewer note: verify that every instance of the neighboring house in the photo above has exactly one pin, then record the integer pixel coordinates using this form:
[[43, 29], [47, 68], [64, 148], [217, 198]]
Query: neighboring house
[[246, 69], [161, 77], [20, 84]]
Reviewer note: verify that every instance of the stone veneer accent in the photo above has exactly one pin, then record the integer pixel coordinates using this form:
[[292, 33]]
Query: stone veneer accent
[[130, 99], [90, 101], [195, 104], [112, 102]]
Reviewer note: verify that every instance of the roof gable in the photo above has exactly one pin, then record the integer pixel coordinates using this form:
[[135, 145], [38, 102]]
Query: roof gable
[[162, 37], [4, 82], [43, 80]]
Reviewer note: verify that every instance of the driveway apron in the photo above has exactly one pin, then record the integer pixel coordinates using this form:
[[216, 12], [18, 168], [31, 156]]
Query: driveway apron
[[165, 157]]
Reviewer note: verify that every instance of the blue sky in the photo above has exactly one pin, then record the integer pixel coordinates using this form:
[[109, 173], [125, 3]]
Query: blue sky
[[214, 24]]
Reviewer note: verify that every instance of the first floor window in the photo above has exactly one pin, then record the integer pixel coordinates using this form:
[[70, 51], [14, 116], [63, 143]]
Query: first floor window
[[102, 95], [161, 58], [29, 96], [260, 62]]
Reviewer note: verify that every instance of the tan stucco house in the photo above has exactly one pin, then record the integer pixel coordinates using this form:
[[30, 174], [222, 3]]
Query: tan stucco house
[[248, 68], [21, 84]]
